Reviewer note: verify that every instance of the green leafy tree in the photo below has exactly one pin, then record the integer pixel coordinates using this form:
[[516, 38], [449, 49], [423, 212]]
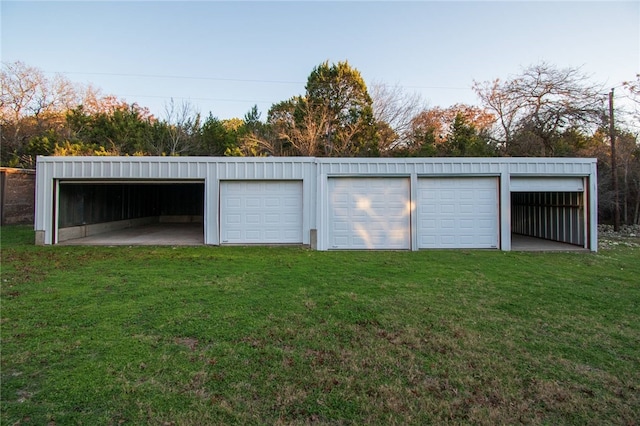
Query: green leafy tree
[[255, 136], [214, 139], [333, 118], [465, 141], [338, 94], [459, 130], [234, 137], [124, 130], [252, 121], [242, 142], [42, 145]]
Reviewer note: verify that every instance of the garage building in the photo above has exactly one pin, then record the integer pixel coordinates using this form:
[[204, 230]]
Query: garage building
[[324, 203]]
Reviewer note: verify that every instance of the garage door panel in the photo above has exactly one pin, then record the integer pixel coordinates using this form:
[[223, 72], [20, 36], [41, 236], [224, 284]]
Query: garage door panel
[[272, 219], [272, 235], [457, 212], [488, 210], [427, 223], [466, 224], [341, 241], [369, 213], [486, 224], [253, 203], [447, 240], [447, 208], [446, 224], [234, 202], [252, 219], [252, 235], [466, 208], [261, 212], [430, 207]]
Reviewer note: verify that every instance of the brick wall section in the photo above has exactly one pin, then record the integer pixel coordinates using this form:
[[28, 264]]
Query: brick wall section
[[17, 196]]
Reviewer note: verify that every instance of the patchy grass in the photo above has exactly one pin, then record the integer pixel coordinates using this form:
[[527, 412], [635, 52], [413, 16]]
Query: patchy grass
[[211, 335]]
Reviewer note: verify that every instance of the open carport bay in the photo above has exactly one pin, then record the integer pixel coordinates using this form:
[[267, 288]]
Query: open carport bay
[[87, 209]]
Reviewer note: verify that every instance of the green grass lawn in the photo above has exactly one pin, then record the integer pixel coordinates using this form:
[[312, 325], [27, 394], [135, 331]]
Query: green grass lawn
[[259, 335]]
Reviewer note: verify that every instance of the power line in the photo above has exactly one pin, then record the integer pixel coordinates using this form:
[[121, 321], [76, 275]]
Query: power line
[[194, 99], [187, 77], [176, 77]]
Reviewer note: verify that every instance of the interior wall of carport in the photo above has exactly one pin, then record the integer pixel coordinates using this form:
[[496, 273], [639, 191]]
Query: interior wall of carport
[[89, 207], [556, 216], [86, 203]]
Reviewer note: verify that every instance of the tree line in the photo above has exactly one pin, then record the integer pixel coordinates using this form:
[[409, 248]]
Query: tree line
[[543, 111]]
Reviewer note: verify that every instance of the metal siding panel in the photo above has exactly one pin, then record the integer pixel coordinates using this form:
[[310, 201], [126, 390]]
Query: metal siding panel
[[548, 216], [43, 203], [154, 169], [564, 220], [540, 222], [134, 170]]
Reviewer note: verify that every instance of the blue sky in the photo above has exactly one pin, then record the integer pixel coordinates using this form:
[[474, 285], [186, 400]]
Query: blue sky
[[224, 57]]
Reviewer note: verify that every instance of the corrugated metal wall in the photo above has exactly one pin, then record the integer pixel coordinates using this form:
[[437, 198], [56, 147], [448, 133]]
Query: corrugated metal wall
[[456, 166], [557, 216]]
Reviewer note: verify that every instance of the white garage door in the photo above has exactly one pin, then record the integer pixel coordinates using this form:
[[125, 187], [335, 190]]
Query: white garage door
[[261, 212], [369, 213], [458, 212]]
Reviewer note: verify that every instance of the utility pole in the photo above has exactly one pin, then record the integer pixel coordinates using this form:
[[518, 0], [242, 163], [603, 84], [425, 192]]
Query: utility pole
[[614, 166]]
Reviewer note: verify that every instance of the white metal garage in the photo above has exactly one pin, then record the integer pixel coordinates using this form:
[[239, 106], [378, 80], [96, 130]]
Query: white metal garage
[[458, 212], [328, 203], [261, 212], [369, 213]]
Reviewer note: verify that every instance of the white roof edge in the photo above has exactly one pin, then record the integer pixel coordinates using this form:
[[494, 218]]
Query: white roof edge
[[199, 159], [320, 160], [455, 159]]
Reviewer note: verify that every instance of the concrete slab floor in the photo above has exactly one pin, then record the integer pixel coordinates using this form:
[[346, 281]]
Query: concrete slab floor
[[525, 243], [160, 234], [192, 234]]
